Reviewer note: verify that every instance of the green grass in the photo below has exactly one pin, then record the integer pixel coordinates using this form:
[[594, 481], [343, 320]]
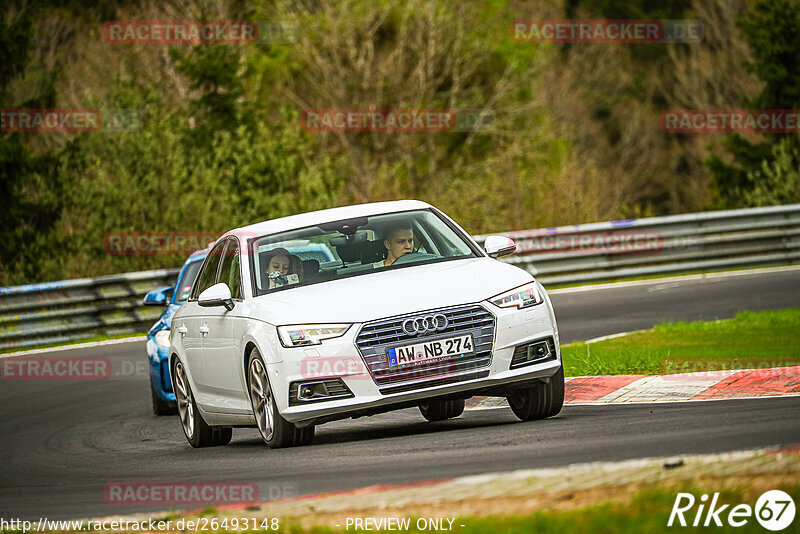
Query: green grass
[[751, 339], [91, 339], [648, 512]]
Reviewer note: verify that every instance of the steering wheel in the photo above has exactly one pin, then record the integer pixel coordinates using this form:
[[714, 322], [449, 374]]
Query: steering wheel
[[413, 257]]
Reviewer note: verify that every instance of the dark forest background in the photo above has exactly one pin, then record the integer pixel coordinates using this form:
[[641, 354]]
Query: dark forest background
[[576, 136]]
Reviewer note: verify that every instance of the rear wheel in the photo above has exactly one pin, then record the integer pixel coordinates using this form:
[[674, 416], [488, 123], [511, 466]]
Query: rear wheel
[[439, 410], [540, 400], [276, 431], [198, 433]]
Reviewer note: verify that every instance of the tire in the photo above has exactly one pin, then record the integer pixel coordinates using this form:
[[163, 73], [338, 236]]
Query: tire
[[161, 407], [541, 400], [276, 431], [439, 410], [198, 433]]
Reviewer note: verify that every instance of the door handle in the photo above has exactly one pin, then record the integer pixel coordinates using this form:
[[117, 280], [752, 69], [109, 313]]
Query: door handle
[[182, 330], [204, 330]]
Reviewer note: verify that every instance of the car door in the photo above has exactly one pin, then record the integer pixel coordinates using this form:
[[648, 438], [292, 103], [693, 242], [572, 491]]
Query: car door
[[192, 324], [221, 352]]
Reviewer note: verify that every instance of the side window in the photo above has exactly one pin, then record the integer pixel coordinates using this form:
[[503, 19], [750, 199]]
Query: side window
[[208, 273], [229, 272]]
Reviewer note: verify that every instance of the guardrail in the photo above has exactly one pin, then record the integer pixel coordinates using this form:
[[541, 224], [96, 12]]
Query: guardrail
[[55, 312], [36, 314], [709, 241]]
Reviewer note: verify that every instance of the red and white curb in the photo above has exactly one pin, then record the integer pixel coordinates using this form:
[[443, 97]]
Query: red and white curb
[[711, 385]]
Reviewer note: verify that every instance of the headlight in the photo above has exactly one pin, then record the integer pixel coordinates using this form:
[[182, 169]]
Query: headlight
[[162, 338], [520, 297], [310, 334]]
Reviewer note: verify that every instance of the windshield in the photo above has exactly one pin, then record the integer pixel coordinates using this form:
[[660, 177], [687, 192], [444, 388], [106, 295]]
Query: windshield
[[184, 285], [353, 247]]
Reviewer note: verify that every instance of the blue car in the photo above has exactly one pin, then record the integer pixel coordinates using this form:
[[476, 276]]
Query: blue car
[[158, 336]]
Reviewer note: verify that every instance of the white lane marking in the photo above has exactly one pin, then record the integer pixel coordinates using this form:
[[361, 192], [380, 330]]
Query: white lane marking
[[669, 279], [76, 346], [646, 402], [612, 336]]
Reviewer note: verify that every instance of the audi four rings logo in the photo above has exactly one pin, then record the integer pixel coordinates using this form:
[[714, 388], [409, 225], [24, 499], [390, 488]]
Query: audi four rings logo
[[429, 323]]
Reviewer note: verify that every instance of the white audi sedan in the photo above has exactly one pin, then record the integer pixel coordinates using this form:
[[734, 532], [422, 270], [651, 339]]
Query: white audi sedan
[[355, 311]]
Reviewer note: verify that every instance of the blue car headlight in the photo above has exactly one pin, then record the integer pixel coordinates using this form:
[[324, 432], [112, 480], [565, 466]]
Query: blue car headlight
[[162, 338]]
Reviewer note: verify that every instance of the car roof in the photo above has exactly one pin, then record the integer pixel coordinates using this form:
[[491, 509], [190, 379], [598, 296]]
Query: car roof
[[302, 220], [200, 254]]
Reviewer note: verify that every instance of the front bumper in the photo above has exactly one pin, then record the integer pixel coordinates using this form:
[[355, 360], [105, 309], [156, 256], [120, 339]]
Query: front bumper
[[339, 358], [160, 381]]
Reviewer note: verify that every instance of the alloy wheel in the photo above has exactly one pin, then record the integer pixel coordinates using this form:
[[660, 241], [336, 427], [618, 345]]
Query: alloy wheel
[[183, 395], [261, 398]]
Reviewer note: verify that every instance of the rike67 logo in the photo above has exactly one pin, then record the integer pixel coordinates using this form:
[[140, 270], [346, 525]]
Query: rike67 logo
[[774, 510]]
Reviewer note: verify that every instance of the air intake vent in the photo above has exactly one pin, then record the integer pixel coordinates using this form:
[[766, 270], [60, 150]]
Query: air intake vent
[[540, 351], [305, 392]]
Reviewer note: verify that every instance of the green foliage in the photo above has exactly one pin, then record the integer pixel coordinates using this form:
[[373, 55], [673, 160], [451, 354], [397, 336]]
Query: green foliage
[[632, 10], [777, 181], [28, 186], [213, 72], [772, 31], [153, 181], [574, 139]]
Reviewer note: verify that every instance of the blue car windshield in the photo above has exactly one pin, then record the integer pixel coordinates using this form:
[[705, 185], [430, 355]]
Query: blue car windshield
[[184, 285]]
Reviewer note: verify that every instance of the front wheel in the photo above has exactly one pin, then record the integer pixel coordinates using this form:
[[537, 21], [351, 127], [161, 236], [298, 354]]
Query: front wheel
[[540, 400], [276, 431], [198, 433], [439, 410]]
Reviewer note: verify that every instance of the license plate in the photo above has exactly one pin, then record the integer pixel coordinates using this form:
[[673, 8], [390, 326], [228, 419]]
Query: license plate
[[431, 350]]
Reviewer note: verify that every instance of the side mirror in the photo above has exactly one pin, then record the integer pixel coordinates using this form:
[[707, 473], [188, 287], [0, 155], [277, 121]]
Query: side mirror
[[216, 295], [497, 245], [158, 297]]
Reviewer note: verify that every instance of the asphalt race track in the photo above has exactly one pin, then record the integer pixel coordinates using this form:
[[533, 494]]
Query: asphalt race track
[[62, 442]]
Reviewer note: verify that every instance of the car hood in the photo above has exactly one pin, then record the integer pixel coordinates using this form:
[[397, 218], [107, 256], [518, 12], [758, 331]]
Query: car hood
[[395, 292]]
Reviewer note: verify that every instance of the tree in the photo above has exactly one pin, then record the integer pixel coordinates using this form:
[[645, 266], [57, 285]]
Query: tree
[[772, 31], [28, 185]]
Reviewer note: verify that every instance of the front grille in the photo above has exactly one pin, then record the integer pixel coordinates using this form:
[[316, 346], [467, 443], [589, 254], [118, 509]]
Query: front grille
[[377, 337]]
